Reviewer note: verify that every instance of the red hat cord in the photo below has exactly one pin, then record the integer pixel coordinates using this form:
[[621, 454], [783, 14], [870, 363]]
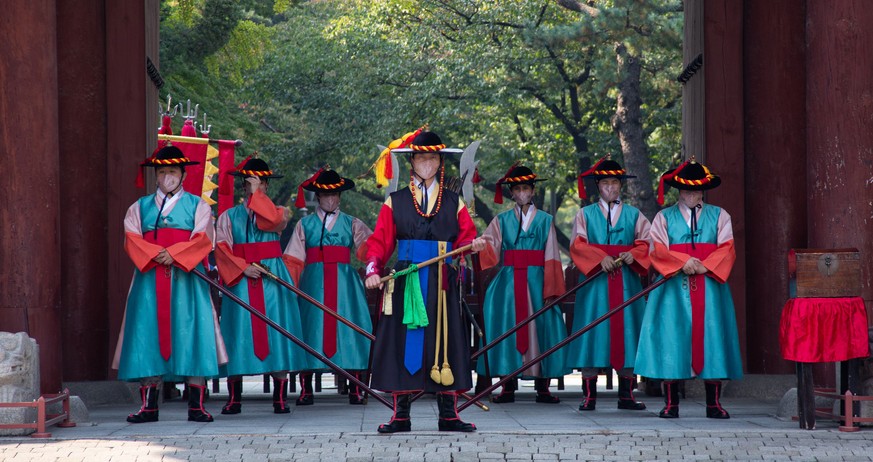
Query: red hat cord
[[580, 182], [498, 191], [668, 176], [301, 201]]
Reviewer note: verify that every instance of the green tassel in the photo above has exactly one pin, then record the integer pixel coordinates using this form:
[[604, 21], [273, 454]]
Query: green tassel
[[414, 312]]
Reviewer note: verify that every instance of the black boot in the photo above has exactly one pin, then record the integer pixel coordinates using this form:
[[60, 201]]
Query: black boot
[[280, 396], [626, 399], [507, 393], [482, 382], [671, 400], [196, 411], [449, 420], [149, 410], [543, 395], [400, 420], [306, 397], [589, 394], [355, 394], [713, 400], [234, 397]]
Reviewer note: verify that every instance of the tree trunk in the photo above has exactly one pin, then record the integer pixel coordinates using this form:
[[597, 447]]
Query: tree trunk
[[628, 125]]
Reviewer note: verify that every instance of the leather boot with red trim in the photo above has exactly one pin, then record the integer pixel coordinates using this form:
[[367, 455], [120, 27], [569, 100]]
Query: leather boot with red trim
[[543, 394], [713, 400], [356, 397], [306, 397], [400, 420], [671, 400], [507, 393], [280, 396], [149, 410], [449, 420], [626, 398], [196, 411], [234, 397], [589, 394]]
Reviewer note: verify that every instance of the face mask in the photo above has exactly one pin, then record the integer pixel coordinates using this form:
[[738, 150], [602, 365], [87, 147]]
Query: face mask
[[522, 198], [170, 183], [426, 170], [329, 203]]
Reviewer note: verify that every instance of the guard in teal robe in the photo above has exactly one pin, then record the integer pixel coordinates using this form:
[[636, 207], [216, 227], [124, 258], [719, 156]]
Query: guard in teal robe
[[524, 238], [614, 237], [248, 235], [319, 253], [689, 329]]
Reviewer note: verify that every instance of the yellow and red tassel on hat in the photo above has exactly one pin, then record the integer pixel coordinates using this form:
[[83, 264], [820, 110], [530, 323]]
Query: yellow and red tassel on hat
[[382, 166], [580, 180], [668, 176], [301, 200]]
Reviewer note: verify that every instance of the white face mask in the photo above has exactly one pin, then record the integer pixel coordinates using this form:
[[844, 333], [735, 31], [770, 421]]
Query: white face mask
[[522, 198], [169, 183], [427, 169], [329, 203]]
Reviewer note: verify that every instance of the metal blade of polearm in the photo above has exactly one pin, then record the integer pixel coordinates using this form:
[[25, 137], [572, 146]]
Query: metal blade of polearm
[[468, 171], [350, 377]]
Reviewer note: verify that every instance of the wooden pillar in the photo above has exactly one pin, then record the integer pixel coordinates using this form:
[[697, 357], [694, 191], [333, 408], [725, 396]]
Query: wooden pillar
[[82, 128], [839, 101], [774, 68], [131, 133], [31, 252], [723, 79]]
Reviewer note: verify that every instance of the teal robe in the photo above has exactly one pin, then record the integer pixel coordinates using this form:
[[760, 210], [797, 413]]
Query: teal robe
[[499, 306], [352, 348], [192, 320], [664, 350], [592, 349]]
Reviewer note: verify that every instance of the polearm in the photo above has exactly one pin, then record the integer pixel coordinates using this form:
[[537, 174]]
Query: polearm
[[192, 139], [433, 260], [314, 302], [564, 342], [536, 314], [291, 337]]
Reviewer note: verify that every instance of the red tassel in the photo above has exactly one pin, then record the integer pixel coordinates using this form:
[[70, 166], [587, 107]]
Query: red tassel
[[476, 178], [498, 194], [389, 167], [140, 177], [668, 176], [301, 201], [242, 164], [580, 183]]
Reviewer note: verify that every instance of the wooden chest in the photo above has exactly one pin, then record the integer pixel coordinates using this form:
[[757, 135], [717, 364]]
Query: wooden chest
[[824, 273]]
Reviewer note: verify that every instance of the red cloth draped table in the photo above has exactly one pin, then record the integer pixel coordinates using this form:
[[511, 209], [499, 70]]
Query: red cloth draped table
[[815, 330]]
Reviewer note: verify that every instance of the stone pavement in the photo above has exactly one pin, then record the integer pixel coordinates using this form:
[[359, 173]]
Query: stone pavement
[[333, 430]]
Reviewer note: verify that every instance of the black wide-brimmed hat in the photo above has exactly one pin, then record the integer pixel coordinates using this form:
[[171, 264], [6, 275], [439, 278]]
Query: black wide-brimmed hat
[[254, 167], [426, 141], [603, 168], [325, 181], [517, 174], [688, 176], [167, 156]]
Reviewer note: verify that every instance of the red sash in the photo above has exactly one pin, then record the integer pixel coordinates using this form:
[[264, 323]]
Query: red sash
[[697, 290], [330, 256], [164, 286], [615, 291], [254, 252], [520, 260]]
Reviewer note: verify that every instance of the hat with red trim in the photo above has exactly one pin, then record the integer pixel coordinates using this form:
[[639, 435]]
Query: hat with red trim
[[603, 168], [254, 167], [324, 181], [689, 176], [424, 142], [167, 156], [517, 174]]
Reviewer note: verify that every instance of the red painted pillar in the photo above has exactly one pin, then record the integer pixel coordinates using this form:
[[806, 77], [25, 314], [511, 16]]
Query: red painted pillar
[[723, 74], [82, 128], [775, 155], [839, 101], [30, 241]]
